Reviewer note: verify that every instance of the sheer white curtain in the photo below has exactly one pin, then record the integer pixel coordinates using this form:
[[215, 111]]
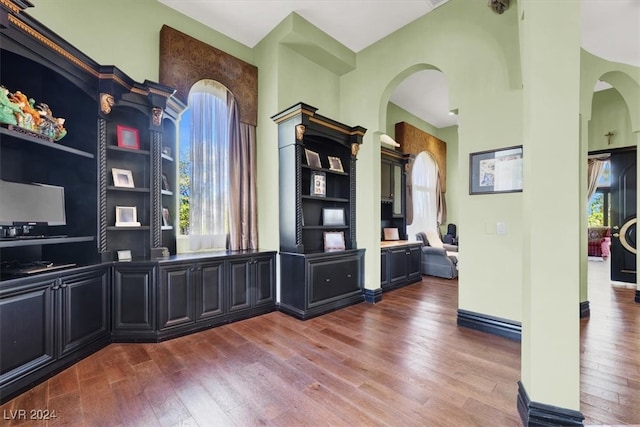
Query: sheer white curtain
[[424, 179], [209, 195], [594, 170]]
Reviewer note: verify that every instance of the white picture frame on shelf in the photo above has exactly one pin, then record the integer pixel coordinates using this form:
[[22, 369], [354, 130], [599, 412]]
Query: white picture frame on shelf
[[122, 178], [318, 184], [333, 241], [333, 217], [335, 164], [124, 255], [127, 216]]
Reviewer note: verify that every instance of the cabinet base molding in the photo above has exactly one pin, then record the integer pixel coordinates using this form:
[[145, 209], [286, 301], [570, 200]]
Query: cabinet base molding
[[343, 302], [490, 324], [540, 414], [373, 296], [585, 310]]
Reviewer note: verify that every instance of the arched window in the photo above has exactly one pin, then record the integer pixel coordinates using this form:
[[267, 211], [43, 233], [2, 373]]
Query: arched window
[[204, 167], [424, 177]]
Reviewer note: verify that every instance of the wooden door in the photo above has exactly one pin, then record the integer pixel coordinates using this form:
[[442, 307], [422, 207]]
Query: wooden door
[[623, 216]]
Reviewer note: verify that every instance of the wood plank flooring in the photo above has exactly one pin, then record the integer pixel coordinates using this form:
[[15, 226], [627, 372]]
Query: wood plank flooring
[[400, 362]]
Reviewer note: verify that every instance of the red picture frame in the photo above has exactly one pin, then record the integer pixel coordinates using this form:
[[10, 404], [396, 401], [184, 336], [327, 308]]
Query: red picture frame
[[128, 137]]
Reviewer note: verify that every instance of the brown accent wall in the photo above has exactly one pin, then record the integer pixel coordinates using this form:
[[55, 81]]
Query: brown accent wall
[[413, 140], [185, 60]]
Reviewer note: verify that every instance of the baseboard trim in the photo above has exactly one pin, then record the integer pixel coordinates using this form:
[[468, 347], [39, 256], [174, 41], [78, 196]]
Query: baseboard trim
[[373, 296], [540, 414], [637, 296], [490, 324], [585, 309]]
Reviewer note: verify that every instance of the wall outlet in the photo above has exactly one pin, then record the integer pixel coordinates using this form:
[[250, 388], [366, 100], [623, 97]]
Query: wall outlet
[[501, 228]]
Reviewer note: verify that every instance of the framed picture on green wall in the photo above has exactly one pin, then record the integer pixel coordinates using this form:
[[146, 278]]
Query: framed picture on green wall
[[496, 171]]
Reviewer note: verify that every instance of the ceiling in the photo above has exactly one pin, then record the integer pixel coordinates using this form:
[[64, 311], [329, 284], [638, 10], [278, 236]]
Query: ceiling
[[610, 29]]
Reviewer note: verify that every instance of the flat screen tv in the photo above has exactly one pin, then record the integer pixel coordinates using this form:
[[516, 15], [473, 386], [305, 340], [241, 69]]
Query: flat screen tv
[[31, 203]]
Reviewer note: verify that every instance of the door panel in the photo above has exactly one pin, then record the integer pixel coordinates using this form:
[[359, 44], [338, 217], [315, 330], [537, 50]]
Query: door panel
[[623, 216]]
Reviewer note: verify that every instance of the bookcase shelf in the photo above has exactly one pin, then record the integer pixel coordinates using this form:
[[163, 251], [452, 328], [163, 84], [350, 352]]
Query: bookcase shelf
[[319, 279]]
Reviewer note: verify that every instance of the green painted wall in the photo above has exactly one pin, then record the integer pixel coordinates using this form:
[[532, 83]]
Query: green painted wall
[[125, 33], [609, 114]]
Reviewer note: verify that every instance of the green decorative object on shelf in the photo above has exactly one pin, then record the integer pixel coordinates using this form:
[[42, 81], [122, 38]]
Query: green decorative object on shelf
[[18, 110]]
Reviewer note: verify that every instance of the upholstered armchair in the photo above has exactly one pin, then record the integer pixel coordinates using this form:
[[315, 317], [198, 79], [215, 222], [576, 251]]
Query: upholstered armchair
[[438, 259], [451, 237], [599, 239]]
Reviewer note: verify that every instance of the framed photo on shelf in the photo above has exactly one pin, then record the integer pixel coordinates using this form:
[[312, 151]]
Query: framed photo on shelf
[[333, 216], [334, 241], [165, 182], [313, 158], [127, 216], [124, 255], [318, 184], [391, 234], [128, 137], [496, 171], [335, 164], [122, 178], [166, 217]]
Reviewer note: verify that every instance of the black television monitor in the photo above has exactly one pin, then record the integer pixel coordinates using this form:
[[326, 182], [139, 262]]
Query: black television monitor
[[31, 204]]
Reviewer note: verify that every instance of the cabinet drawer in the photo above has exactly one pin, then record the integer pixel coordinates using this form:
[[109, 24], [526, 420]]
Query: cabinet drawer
[[333, 279]]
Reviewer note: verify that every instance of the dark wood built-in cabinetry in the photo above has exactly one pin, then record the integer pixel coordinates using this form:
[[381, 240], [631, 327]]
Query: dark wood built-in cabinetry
[[164, 298], [393, 190], [75, 297], [317, 280], [399, 264], [50, 321]]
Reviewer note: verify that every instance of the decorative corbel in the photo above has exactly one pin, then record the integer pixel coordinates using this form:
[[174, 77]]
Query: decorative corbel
[[156, 116], [106, 102], [300, 132], [355, 147], [499, 6]]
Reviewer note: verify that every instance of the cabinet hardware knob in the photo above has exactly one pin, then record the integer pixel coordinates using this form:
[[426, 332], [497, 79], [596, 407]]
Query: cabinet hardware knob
[[616, 235], [348, 275], [615, 227], [55, 288], [63, 286], [327, 280]]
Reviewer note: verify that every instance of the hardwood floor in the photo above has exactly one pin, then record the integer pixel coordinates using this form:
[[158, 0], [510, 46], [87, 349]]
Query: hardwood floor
[[400, 362], [610, 353]]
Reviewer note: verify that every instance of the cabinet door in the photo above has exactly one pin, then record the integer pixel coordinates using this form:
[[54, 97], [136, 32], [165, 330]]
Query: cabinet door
[[413, 262], [397, 191], [175, 296], [397, 265], [384, 280], [209, 290], [133, 297], [26, 331], [85, 309], [386, 183], [332, 279], [264, 281], [239, 284]]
